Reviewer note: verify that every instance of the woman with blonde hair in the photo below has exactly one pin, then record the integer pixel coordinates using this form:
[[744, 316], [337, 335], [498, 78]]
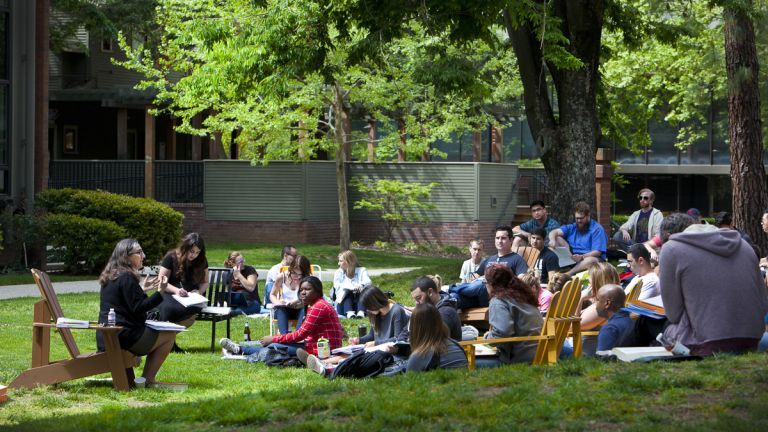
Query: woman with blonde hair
[[598, 274], [243, 285], [348, 282], [545, 297], [431, 346]]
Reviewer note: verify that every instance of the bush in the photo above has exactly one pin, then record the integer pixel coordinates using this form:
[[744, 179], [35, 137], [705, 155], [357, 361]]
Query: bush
[[20, 231], [86, 242], [155, 225]]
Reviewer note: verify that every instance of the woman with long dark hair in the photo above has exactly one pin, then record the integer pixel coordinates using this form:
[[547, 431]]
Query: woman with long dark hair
[[512, 311], [186, 268], [388, 319], [431, 346], [121, 291]]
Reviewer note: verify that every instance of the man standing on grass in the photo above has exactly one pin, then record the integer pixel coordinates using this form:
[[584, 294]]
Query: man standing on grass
[[474, 294]]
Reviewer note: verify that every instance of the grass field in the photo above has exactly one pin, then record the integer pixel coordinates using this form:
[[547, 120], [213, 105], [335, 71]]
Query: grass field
[[724, 393]]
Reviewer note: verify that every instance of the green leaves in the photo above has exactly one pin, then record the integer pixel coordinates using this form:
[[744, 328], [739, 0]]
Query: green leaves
[[394, 200]]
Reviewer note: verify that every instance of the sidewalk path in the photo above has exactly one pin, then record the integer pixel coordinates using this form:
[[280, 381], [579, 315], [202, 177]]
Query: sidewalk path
[[30, 290]]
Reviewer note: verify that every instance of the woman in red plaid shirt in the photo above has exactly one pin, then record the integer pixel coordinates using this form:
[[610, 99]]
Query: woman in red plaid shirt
[[321, 321]]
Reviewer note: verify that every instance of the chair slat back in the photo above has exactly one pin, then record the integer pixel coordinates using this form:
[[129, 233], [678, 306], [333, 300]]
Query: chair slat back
[[43, 283], [529, 254], [557, 322], [634, 290], [218, 288]]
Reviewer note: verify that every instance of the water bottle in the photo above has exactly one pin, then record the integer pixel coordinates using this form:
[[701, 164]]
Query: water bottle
[[247, 333], [111, 317]]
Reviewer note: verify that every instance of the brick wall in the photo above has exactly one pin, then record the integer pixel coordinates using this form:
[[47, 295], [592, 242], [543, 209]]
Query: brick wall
[[325, 232]]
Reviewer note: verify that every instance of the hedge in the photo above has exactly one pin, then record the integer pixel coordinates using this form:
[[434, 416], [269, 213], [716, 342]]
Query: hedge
[[86, 243], [155, 225]]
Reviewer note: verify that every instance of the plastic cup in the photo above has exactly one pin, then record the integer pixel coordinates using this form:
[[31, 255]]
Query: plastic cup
[[362, 330], [140, 382]]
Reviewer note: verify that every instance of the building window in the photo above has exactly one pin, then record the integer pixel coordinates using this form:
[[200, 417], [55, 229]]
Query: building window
[[106, 44], [70, 140]]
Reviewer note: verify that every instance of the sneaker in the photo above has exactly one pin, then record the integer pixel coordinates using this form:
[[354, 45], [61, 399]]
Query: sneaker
[[316, 364], [360, 314], [302, 355], [230, 346], [350, 314]]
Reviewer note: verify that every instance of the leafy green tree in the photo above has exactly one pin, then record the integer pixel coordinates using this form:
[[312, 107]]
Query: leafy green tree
[[394, 200]]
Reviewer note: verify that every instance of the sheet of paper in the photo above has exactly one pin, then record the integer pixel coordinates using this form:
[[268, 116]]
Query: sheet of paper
[[564, 256], [165, 325], [192, 299]]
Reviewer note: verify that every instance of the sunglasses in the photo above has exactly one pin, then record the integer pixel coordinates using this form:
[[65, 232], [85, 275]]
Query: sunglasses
[[644, 198]]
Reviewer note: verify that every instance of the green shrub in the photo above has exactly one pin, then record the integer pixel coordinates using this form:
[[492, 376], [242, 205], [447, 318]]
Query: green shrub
[[155, 225], [21, 234], [86, 242]]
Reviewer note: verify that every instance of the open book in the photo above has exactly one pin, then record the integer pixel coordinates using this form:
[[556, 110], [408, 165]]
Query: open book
[[349, 349], [629, 354], [62, 322], [165, 325], [650, 307], [564, 256], [192, 299]]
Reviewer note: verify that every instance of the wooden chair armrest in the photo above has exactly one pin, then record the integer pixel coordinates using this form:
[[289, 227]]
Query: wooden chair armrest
[[93, 326], [505, 340]]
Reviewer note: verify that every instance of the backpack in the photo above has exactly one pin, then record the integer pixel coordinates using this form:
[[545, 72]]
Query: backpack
[[364, 365]]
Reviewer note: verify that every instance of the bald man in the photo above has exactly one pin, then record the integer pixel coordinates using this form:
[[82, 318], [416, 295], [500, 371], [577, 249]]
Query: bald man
[[618, 329]]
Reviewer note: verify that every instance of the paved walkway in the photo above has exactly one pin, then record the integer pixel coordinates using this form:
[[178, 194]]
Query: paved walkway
[[30, 290]]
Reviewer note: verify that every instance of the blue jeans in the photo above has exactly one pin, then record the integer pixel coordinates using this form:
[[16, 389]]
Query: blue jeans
[[242, 306], [292, 347], [267, 290], [763, 345], [487, 362], [618, 240], [351, 303], [469, 294], [284, 314]]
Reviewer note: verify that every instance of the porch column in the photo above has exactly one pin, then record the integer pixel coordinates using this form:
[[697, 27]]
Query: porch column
[[41, 156], [149, 155], [197, 141], [497, 143], [603, 177], [477, 146], [122, 133]]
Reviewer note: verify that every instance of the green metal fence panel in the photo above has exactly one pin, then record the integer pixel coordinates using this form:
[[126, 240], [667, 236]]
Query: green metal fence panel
[[497, 198], [321, 203], [454, 197], [237, 191]]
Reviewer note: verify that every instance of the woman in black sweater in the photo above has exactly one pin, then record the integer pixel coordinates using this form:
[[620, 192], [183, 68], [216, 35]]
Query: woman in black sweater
[[186, 268], [121, 291]]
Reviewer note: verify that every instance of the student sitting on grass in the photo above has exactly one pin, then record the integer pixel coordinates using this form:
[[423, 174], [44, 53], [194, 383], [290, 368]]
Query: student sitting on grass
[[431, 346], [120, 290], [389, 322], [285, 294], [348, 283], [513, 311], [321, 322]]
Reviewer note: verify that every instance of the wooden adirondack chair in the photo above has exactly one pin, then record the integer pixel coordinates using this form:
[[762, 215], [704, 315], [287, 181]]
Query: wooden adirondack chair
[[560, 319], [528, 253], [44, 372]]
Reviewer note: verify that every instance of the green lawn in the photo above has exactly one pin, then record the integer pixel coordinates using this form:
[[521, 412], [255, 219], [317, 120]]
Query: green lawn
[[265, 256], [726, 393]]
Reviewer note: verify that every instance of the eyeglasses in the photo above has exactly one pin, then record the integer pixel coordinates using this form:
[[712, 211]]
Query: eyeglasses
[[138, 252], [644, 198], [295, 275]]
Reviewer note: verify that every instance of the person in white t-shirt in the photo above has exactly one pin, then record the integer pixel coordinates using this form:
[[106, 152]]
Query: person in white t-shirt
[[286, 258], [639, 259], [470, 266]]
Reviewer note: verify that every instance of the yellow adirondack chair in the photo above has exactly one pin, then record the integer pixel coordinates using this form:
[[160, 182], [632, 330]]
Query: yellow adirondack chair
[[560, 319]]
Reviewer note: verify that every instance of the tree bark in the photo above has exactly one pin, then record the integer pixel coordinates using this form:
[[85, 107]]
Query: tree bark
[[342, 138], [748, 185], [567, 142]]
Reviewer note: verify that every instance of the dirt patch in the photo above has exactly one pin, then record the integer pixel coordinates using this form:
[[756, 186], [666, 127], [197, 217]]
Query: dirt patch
[[488, 392]]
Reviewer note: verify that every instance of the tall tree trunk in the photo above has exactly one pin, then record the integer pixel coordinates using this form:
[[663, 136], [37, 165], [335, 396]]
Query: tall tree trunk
[[748, 186], [567, 143], [342, 138]]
